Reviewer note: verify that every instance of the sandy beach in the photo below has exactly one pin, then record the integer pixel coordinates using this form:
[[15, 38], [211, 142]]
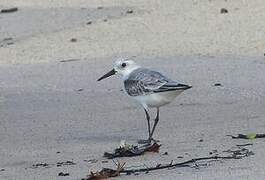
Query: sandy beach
[[53, 110]]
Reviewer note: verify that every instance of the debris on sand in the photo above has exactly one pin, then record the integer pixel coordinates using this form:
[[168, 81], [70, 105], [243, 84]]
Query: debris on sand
[[73, 40], [223, 11], [105, 173], [129, 11], [65, 163], [6, 42], [9, 10], [218, 84], [80, 89], [243, 145], [91, 160], [38, 165], [70, 60], [165, 153], [63, 174], [248, 136], [89, 22], [126, 150], [58, 164]]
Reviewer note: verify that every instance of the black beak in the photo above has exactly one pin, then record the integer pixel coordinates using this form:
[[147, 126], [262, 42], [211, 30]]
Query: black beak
[[112, 72]]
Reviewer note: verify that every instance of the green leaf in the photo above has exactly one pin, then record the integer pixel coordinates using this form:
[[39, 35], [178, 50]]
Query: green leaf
[[251, 136]]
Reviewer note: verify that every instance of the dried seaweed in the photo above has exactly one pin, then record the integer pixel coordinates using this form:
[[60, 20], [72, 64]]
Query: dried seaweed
[[237, 155], [106, 172], [58, 164], [248, 136], [63, 174], [40, 165], [65, 163], [132, 150]]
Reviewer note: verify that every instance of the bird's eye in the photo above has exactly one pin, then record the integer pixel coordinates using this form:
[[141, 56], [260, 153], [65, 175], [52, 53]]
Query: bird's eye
[[123, 64]]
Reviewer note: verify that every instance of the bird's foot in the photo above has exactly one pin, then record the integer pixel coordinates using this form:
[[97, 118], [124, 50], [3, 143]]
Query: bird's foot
[[147, 141], [144, 141]]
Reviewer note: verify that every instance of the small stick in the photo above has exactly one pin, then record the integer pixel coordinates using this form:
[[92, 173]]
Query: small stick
[[243, 145], [10, 10], [106, 172], [70, 60], [182, 164]]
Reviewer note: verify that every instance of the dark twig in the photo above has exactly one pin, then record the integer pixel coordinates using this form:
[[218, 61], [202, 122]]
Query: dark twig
[[70, 60], [243, 145], [113, 160], [10, 10], [105, 172], [182, 164]]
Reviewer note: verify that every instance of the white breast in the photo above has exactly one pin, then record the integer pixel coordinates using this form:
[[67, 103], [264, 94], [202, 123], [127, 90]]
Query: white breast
[[157, 99]]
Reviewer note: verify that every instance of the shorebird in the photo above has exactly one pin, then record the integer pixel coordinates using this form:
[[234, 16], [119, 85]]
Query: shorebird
[[150, 88]]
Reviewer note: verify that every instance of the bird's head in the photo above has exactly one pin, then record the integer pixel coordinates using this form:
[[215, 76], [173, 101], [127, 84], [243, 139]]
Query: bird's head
[[123, 67]]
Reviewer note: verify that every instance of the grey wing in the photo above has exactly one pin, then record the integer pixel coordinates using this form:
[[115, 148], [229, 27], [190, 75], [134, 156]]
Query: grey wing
[[172, 86], [135, 88], [143, 81]]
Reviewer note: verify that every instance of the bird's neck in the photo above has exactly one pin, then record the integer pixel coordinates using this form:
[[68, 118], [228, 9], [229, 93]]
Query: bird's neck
[[126, 73]]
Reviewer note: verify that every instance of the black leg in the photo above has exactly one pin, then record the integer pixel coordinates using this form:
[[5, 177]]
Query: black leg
[[155, 123], [149, 129], [148, 122]]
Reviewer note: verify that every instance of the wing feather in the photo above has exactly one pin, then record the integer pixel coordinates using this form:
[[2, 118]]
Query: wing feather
[[143, 81]]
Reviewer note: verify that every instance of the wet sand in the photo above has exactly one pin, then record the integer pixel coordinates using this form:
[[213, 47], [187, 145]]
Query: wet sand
[[53, 109]]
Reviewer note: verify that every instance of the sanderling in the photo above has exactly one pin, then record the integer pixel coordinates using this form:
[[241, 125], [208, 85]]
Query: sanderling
[[150, 88]]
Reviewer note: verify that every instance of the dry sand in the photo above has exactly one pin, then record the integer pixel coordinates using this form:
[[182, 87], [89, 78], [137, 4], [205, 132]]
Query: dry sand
[[54, 111]]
